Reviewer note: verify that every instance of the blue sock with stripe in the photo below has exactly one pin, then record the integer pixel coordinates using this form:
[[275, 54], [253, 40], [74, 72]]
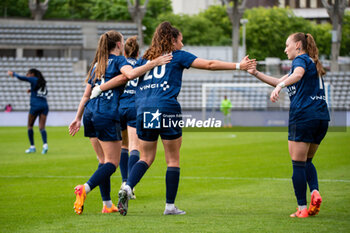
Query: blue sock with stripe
[[134, 157], [101, 174], [43, 136], [137, 172], [172, 183], [31, 136], [299, 181], [311, 175], [123, 164], [105, 187]]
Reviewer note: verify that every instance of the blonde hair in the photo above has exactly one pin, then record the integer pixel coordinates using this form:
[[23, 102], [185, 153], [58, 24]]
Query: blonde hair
[[131, 47], [107, 42], [308, 44]]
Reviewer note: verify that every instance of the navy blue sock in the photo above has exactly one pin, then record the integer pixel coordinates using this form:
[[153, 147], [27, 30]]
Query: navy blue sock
[[31, 136], [311, 175], [105, 187], [172, 183], [299, 181], [137, 172], [123, 164], [43, 135], [101, 174], [134, 157]]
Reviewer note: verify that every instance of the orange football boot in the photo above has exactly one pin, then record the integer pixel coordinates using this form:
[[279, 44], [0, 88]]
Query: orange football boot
[[315, 203], [80, 198]]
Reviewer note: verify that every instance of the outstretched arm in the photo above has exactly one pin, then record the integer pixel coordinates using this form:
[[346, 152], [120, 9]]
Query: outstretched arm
[[20, 77], [293, 78], [266, 78], [245, 64], [131, 73], [75, 125]]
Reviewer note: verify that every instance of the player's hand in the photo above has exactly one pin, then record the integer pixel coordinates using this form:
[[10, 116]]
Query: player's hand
[[165, 59], [28, 90], [74, 127], [10, 73], [252, 71], [247, 63], [275, 94], [96, 91]]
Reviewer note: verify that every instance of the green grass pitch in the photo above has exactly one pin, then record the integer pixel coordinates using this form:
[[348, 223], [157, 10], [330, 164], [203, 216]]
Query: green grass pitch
[[230, 182]]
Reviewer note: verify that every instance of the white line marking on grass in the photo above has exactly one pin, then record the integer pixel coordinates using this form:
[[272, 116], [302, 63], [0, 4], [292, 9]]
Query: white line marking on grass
[[183, 177]]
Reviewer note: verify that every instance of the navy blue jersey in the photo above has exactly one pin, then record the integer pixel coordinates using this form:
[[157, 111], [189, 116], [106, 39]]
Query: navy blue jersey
[[106, 104], [307, 96], [160, 87], [37, 97], [127, 99]]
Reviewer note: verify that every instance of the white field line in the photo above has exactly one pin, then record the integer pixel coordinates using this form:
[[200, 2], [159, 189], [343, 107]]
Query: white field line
[[183, 177]]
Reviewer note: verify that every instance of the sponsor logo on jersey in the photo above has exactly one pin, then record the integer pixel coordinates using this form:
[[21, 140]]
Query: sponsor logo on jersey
[[163, 85], [291, 90], [321, 97], [131, 92]]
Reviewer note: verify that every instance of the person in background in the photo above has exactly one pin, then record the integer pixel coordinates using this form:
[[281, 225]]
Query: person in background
[[225, 108], [38, 106], [8, 108]]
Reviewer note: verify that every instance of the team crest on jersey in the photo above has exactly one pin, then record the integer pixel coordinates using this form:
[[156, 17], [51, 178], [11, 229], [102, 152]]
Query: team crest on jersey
[[151, 120]]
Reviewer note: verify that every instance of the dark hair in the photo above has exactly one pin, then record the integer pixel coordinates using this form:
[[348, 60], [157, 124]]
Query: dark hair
[[308, 44], [41, 84], [107, 42], [162, 41], [131, 47]]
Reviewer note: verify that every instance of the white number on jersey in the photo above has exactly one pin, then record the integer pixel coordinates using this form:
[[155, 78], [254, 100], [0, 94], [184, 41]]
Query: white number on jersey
[[133, 82], [320, 80], [155, 72]]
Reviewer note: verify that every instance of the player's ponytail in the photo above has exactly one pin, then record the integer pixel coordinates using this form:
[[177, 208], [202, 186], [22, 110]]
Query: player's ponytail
[[309, 46], [131, 47], [41, 84], [312, 50], [162, 41], [106, 43]]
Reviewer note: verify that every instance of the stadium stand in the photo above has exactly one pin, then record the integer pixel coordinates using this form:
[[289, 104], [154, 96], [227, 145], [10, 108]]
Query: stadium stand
[[65, 87], [41, 35], [191, 93], [66, 83], [126, 30]]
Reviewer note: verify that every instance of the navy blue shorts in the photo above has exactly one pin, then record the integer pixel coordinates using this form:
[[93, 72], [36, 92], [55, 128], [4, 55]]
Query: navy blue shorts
[[166, 133], [38, 110], [312, 131], [102, 128], [127, 117]]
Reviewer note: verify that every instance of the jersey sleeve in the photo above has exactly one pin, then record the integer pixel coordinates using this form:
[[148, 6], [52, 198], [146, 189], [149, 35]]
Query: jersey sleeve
[[186, 59], [91, 78], [299, 62], [24, 78], [140, 62], [122, 62]]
